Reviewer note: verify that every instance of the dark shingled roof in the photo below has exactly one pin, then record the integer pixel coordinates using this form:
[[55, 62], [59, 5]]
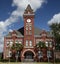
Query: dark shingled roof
[[37, 32]]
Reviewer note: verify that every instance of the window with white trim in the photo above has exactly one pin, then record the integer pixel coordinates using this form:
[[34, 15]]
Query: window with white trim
[[16, 42], [26, 27], [7, 43], [10, 53], [49, 53], [40, 54], [50, 44], [46, 44], [30, 28], [30, 43], [20, 42], [30, 32], [11, 43], [26, 42]]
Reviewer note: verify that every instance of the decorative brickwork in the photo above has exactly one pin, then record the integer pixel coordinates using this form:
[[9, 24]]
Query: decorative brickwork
[[29, 36]]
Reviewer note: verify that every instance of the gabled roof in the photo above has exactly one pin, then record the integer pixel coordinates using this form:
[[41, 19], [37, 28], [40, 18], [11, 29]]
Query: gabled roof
[[37, 32], [16, 32]]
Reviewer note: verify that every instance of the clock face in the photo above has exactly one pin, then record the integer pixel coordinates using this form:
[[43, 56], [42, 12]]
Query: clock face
[[28, 20]]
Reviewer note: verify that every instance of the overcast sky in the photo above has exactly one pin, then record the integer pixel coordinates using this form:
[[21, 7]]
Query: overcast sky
[[11, 15]]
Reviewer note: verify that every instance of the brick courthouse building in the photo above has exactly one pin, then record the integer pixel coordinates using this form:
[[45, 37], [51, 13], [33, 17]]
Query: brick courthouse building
[[29, 36]]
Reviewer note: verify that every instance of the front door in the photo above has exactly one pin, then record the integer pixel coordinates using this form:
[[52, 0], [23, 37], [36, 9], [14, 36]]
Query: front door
[[29, 56]]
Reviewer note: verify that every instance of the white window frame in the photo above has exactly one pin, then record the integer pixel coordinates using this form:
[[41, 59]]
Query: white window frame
[[20, 42], [48, 53], [47, 44], [30, 27], [40, 54], [7, 43], [11, 43], [50, 44], [30, 32], [30, 43], [27, 42], [26, 27]]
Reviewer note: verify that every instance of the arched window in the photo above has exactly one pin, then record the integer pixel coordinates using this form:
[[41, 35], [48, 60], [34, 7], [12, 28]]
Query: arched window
[[30, 43], [26, 42]]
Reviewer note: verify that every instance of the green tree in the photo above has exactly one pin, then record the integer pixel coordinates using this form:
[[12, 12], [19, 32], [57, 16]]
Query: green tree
[[39, 49], [55, 28], [40, 45], [17, 47]]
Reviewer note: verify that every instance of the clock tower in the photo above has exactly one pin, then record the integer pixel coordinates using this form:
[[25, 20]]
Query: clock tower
[[28, 27]]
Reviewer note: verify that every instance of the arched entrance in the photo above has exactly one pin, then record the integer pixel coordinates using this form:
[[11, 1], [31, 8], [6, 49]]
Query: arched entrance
[[29, 56]]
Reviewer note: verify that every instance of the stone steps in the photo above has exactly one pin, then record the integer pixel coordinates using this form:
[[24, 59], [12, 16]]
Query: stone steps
[[28, 60]]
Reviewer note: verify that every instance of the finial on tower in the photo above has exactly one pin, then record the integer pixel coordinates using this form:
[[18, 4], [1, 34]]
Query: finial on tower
[[28, 10]]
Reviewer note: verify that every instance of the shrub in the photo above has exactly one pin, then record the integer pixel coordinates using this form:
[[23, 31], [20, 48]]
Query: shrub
[[57, 60], [3, 60]]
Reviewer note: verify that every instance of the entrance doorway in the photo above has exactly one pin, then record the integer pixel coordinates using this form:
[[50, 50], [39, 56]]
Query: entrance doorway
[[29, 56]]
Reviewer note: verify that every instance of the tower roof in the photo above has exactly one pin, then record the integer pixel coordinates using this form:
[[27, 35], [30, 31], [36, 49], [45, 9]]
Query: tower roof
[[28, 10]]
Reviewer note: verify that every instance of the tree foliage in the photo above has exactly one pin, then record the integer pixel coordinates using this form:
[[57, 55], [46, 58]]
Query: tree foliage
[[41, 45], [55, 28], [17, 46]]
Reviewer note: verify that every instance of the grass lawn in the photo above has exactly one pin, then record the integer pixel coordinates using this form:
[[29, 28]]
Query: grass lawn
[[26, 63]]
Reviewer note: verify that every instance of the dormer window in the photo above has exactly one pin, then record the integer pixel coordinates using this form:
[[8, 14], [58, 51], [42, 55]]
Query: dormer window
[[13, 34], [43, 34]]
